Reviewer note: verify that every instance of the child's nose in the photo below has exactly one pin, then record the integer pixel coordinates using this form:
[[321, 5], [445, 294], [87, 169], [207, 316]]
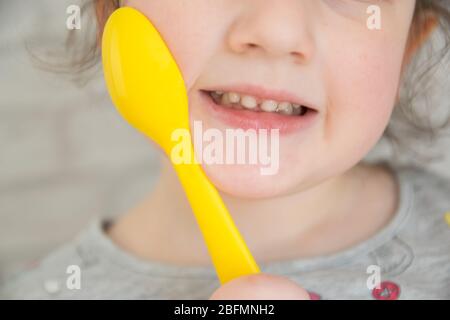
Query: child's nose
[[275, 28]]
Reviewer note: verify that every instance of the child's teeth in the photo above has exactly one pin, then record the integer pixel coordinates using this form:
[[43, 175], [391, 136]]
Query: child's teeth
[[216, 96], [234, 97], [225, 100], [285, 108], [269, 105], [296, 109], [235, 100], [249, 102]]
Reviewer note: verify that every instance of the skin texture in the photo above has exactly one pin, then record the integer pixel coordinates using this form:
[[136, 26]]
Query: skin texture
[[320, 50]]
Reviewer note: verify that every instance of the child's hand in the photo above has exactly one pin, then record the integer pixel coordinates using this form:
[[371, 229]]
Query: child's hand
[[260, 287]]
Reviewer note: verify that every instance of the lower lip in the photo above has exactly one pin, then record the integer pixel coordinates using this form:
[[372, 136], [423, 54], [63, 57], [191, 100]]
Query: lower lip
[[245, 119]]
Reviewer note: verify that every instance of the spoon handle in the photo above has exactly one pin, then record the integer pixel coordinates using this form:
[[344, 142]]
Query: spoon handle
[[228, 251]]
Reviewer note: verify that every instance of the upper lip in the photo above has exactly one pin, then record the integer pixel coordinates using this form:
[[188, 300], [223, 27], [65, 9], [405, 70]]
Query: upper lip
[[264, 93]]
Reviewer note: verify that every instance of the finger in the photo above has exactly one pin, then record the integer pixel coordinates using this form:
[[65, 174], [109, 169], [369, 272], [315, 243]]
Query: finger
[[260, 287]]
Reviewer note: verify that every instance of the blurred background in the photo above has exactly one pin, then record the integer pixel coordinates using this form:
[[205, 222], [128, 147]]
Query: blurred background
[[66, 155]]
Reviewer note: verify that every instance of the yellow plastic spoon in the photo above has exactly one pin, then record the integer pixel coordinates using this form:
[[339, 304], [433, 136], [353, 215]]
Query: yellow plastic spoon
[[148, 90]]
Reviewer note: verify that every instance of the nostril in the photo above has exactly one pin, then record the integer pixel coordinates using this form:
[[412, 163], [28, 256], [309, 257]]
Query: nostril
[[298, 56]]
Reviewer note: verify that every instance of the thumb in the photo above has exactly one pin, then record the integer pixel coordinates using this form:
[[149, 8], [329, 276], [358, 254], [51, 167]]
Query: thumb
[[260, 287]]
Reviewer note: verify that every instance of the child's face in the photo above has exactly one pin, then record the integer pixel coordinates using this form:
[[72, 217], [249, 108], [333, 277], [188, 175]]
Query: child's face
[[320, 51]]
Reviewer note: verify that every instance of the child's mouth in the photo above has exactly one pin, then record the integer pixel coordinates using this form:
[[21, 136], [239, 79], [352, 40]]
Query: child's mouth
[[247, 111], [248, 102]]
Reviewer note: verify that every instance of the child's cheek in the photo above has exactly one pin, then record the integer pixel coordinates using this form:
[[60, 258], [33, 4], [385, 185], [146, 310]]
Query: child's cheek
[[362, 87], [182, 25]]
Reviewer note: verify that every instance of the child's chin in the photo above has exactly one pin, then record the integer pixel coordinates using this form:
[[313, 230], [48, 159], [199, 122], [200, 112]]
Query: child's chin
[[246, 181]]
